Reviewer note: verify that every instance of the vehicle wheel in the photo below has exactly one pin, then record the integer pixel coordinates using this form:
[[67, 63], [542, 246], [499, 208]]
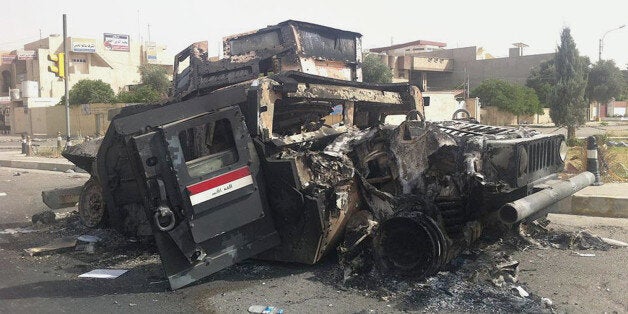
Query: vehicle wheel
[[91, 205]]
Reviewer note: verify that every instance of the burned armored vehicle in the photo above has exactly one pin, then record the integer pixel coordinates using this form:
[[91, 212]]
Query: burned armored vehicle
[[279, 152]]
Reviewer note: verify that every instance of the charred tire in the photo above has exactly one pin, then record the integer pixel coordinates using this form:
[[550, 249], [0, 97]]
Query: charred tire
[[410, 244], [453, 117], [91, 205]]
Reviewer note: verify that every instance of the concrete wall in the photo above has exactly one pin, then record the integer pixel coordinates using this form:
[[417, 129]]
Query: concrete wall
[[512, 69], [442, 106], [46, 122], [495, 116]]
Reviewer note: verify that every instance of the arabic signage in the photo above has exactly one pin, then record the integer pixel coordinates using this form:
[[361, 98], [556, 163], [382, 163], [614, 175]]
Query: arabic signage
[[151, 52], [116, 42], [26, 54], [83, 45], [8, 59]]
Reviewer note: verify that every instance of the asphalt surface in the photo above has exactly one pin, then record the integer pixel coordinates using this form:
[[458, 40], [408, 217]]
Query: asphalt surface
[[50, 283]]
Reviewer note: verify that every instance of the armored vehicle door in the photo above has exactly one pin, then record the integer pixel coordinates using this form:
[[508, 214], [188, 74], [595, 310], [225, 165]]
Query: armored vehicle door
[[214, 189]]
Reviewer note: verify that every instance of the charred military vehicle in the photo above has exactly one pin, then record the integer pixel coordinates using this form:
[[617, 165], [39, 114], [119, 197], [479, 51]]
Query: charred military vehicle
[[279, 152]]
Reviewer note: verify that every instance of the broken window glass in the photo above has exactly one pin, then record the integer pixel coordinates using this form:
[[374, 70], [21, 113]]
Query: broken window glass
[[209, 147]]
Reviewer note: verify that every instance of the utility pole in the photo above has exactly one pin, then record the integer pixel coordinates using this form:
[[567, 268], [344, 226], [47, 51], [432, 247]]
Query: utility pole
[[66, 79], [599, 51]]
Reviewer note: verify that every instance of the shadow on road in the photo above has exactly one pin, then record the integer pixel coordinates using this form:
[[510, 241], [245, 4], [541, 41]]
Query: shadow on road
[[129, 283]]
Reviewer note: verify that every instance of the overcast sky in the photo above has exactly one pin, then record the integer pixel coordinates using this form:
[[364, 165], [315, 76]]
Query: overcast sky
[[494, 25]]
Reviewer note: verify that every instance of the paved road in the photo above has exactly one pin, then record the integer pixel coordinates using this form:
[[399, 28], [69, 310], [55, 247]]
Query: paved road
[[586, 131], [49, 283]]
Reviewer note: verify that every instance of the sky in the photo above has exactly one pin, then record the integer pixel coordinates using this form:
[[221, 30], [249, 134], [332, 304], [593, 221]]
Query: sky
[[493, 25]]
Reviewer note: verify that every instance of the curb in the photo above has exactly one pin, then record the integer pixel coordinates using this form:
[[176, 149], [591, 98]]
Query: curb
[[49, 166]]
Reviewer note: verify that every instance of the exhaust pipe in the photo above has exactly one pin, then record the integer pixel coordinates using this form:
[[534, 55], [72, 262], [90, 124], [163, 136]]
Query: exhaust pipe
[[523, 208]]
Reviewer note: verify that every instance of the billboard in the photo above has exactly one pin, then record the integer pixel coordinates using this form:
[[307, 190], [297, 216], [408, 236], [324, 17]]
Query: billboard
[[8, 59], [151, 52], [117, 42], [26, 54], [83, 45]]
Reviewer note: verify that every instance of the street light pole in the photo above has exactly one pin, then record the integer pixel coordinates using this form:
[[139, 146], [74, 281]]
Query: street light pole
[[599, 56], [65, 79]]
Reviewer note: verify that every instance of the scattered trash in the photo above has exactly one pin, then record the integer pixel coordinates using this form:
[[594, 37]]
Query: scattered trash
[[69, 171], [130, 304], [614, 242], [261, 309], [87, 243], [547, 302], [584, 254], [17, 230], [499, 281], [89, 238], [46, 217], [17, 174], [521, 291], [58, 245], [3, 194], [104, 273]]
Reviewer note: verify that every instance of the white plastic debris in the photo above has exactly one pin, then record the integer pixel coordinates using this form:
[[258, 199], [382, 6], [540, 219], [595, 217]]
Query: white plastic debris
[[584, 254], [104, 273], [521, 291], [89, 238], [3, 194], [17, 230], [614, 242], [547, 302]]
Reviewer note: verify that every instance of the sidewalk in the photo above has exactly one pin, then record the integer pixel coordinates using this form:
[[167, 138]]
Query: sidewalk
[[14, 159], [608, 200]]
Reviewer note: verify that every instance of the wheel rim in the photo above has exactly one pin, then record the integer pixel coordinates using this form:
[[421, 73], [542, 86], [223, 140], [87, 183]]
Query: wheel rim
[[91, 205]]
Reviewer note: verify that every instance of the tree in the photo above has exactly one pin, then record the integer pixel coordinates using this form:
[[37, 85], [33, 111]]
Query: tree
[[374, 70], [567, 103], [543, 79], [141, 94], [90, 91], [156, 77], [513, 98], [605, 82]]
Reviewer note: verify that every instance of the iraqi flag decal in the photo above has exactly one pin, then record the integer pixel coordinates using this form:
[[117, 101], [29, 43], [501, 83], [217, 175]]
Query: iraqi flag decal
[[220, 185]]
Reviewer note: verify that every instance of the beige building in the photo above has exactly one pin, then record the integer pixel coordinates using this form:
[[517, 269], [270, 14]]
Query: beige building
[[26, 82]]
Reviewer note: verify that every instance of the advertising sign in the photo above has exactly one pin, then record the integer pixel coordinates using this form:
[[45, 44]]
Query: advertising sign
[[26, 54], [151, 52], [117, 42], [8, 59], [83, 45]]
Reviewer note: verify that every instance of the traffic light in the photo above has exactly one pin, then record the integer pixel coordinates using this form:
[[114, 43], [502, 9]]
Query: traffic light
[[59, 67]]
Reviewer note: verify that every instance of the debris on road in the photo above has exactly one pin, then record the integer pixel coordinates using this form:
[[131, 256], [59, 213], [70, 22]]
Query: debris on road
[[56, 246], [261, 309], [584, 254], [46, 217], [613, 242], [522, 292], [3, 194], [104, 273], [17, 230]]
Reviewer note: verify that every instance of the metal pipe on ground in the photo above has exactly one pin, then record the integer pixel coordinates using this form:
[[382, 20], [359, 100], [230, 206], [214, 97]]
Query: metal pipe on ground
[[523, 208]]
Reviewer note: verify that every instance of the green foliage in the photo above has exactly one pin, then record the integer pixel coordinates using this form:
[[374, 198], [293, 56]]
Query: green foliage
[[543, 79], [90, 91], [568, 105], [156, 77], [624, 91], [513, 98], [141, 94], [374, 70], [605, 82]]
